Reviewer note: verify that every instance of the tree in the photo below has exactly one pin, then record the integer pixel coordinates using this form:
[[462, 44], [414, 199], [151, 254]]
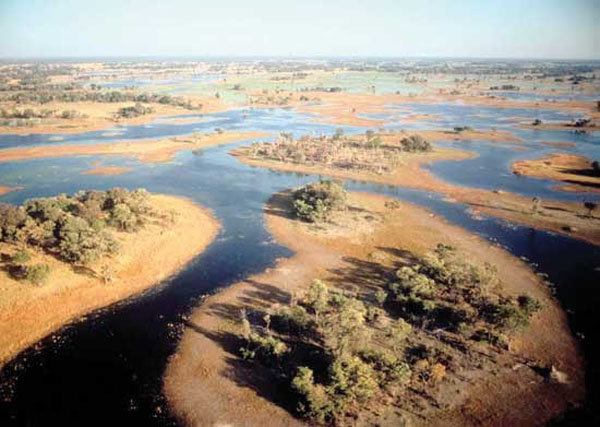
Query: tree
[[535, 205], [380, 296], [122, 217], [80, 244], [590, 206], [346, 324], [317, 297], [415, 143]]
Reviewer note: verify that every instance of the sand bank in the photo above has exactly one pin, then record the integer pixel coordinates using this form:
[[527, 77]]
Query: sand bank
[[150, 151], [573, 170]]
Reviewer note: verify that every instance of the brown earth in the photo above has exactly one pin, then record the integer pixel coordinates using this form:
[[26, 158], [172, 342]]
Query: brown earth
[[150, 151], [101, 115], [568, 218], [107, 170], [156, 252], [206, 383], [344, 108], [560, 144], [4, 190], [573, 170]]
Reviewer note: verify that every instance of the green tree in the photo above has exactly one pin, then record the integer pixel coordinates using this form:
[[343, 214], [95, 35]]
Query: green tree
[[317, 297]]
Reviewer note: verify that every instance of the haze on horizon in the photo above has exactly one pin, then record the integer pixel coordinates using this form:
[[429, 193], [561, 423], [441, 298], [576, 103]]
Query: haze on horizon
[[548, 29]]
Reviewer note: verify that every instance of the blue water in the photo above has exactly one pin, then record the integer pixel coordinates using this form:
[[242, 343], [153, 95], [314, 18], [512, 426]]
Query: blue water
[[110, 364]]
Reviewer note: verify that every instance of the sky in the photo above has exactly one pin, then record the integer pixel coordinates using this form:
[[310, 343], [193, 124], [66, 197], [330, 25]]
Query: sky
[[562, 29]]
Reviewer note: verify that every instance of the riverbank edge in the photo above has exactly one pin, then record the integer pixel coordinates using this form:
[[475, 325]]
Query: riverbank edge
[[151, 259]]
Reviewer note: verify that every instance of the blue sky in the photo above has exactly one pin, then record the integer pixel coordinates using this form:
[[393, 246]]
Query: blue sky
[[464, 28]]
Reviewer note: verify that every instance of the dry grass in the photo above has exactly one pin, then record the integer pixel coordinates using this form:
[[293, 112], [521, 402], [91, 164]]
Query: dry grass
[[29, 312], [571, 169]]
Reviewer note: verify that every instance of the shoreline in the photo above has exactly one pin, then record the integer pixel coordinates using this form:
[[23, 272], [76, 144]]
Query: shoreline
[[4, 189], [203, 378], [147, 258], [145, 151], [100, 116], [565, 218], [571, 172]]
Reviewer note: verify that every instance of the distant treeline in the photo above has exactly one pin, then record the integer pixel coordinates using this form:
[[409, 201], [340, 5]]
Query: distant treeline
[[67, 93]]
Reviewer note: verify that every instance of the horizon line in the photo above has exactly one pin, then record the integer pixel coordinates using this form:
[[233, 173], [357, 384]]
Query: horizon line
[[289, 57]]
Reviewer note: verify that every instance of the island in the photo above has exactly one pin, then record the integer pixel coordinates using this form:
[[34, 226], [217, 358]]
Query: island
[[385, 315], [64, 256], [397, 158]]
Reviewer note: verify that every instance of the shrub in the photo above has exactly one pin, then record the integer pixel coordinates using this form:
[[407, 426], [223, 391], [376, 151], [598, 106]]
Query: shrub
[[352, 380], [267, 348], [505, 315], [37, 273], [122, 217], [462, 128], [490, 336], [21, 257], [380, 296], [529, 305], [292, 319], [415, 143], [317, 297], [411, 282], [389, 367], [11, 218], [314, 202], [316, 403], [398, 331]]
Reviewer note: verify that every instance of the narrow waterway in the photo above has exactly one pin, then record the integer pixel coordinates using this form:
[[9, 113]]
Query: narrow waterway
[[107, 367]]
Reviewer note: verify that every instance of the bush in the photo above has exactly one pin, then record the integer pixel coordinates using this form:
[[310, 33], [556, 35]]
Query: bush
[[21, 257], [292, 319], [415, 143], [268, 348], [529, 305], [37, 273], [80, 244], [411, 282], [122, 218], [462, 128], [316, 403], [352, 380], [505, 315], [314, 202], [388, 366]]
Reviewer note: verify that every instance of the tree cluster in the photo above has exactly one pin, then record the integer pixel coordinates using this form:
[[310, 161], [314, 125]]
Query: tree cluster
[[315, 202], [341, 351], [73, 227]]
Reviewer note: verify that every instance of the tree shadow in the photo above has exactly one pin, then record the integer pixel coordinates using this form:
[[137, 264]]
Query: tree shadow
[[280, 204], [264, 381], [583, 183]]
